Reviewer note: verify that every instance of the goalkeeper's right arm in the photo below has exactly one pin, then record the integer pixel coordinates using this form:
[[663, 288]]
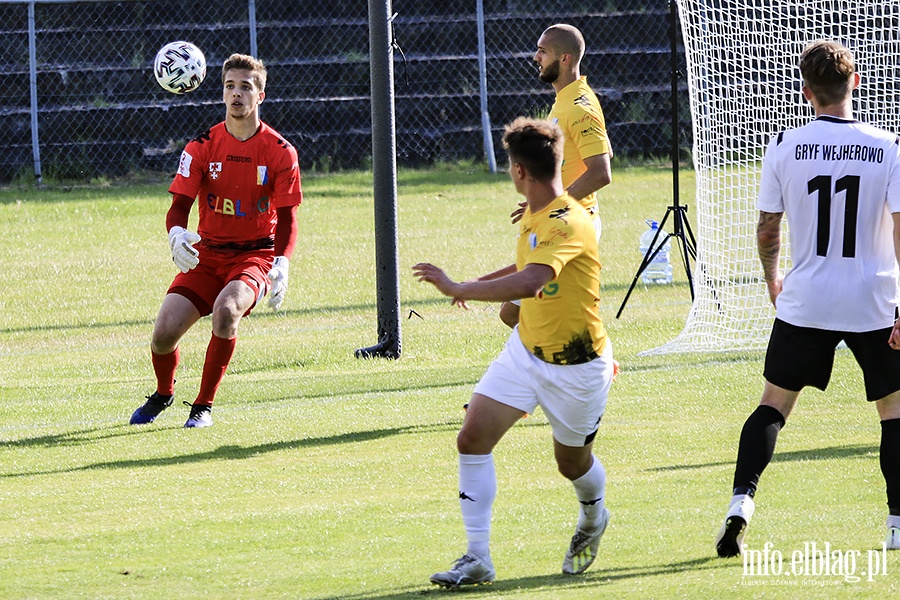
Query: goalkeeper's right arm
[[181, 241], [179, 211]]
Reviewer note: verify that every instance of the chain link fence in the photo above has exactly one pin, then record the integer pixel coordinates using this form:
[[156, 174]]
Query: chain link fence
[[78, 99]]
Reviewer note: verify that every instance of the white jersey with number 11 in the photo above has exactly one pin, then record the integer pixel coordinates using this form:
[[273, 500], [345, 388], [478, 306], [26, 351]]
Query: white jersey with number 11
[[837, 181]]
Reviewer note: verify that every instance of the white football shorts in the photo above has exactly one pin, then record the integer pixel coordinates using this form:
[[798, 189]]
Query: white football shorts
[[572, 396]]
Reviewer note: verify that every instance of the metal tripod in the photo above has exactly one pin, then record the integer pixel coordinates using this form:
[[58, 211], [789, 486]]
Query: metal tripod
[[681, 228]]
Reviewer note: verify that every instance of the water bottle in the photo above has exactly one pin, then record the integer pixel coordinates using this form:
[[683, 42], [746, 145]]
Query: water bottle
[[659, 270]]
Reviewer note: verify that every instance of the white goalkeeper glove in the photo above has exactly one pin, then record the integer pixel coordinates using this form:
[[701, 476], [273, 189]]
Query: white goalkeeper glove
[[181, 242], [278, 275]]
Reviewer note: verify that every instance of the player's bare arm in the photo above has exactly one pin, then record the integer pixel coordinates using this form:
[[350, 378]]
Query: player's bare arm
[[894, 340], [507, 270], [768, 241], [597, 176], [526, 283], [503, 272]]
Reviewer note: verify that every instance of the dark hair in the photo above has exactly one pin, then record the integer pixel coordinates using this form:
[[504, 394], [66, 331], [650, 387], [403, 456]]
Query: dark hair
[[246, 62], [827, 68], [535, 144]]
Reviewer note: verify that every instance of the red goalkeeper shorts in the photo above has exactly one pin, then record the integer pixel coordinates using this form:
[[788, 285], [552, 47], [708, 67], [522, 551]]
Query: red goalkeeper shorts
[[203, 284]]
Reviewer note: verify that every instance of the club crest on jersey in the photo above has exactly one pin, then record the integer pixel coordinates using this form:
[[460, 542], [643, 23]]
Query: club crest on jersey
[[262, 175], [561, 214], [215, 169], [532, 241]]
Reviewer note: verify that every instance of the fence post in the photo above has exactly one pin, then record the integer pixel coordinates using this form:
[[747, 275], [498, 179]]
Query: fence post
[[254, 46], [384, 175], [251, 15], [32, 84], [482, 71]]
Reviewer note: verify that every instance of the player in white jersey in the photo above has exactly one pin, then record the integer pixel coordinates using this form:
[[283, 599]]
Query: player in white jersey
[[838, 183], [837, 180]]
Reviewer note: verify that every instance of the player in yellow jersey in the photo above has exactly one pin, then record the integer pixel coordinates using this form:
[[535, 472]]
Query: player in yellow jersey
[[558, 357], [587, 151]]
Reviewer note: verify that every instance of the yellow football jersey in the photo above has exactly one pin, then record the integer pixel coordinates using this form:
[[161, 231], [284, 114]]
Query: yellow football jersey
[[562, 325], [577, 112]]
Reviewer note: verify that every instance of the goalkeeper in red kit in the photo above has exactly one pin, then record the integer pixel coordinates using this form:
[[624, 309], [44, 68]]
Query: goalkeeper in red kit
[[247, 179]]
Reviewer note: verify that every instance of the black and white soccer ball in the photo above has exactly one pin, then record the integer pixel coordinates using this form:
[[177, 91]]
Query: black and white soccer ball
[[179, 67]]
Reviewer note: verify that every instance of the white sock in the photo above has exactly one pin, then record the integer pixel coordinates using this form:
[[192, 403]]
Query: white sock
[[590, 489], [477, 490]]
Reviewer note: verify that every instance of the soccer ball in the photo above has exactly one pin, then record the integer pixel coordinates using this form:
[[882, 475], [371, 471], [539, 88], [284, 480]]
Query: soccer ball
[[179, 67]]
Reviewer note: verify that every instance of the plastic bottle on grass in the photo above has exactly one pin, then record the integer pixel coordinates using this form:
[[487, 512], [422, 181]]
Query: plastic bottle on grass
[[659, 270]]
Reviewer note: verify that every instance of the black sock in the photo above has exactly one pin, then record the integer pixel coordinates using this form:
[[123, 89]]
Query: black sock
[[890, 462], [757, 446]]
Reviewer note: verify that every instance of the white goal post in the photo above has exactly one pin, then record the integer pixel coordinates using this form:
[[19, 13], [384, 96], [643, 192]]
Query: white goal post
[[744, 85]]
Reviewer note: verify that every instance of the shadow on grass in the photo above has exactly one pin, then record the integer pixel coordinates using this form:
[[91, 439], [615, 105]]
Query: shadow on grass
[[374, 389], [231, 452], [610, 287], [857, 451], [77, 326], [90, 435], [591, 582], [257, 315], [79, 437], [222, 452]]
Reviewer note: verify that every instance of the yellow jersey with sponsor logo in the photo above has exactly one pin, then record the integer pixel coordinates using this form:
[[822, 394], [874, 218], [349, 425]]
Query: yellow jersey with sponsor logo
[[562, 324], [577, 112]]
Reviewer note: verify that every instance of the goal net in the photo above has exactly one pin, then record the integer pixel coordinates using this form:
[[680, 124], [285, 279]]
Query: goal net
[[745, 87]]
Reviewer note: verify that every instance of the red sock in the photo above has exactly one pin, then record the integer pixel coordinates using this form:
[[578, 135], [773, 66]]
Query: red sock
[[218, 355], [164, 366]]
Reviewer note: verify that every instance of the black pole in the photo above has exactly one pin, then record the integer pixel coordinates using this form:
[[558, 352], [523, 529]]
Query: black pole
[[673, 99], [681, 227], [384, 173]]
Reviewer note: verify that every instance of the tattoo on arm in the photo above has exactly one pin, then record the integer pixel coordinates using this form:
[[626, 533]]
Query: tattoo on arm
[[768, 239]]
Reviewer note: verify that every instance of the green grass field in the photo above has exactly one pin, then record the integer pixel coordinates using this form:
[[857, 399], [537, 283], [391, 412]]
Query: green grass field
[[329, 477]]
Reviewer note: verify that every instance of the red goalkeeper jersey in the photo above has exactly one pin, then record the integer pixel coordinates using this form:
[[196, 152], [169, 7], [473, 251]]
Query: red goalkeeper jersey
[[239, 184]]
